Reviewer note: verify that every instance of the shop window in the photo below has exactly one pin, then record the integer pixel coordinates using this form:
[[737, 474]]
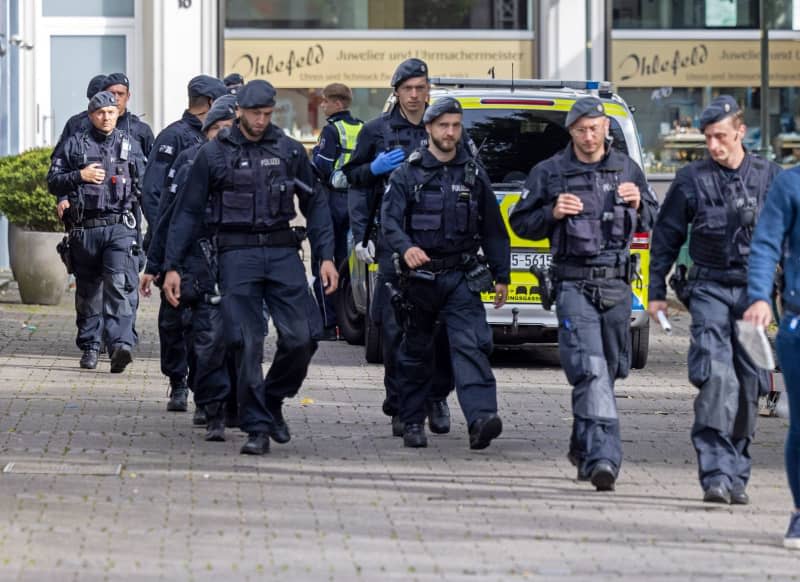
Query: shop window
[[103, 8], [668, 123], [378, 14], [660, 14]]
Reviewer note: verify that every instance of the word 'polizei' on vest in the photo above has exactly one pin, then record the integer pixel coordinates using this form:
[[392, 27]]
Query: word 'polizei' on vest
[[244, 203], [436, 215]]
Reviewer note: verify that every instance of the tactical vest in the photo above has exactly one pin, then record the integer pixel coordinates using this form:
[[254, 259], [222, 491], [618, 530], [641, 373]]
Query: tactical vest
[[444, 207], [607, 223], [348, 135], [726, 211], [408, 137], [258, 190], [115, 194]]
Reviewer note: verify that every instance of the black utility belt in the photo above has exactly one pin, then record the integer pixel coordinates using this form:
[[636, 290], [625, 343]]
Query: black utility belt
[[108, 219], [288, 237], [450, 262], [736, 277], [573, 273]]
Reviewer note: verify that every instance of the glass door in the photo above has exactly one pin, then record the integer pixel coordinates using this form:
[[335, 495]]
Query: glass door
[[75, 44]]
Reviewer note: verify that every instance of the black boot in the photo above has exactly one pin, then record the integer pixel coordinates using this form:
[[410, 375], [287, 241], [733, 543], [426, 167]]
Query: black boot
[[414, 436], [717, 494], [199, 418], [438, 416], [89, 359], [257, 444], [280, 430], [603, 476], [397, 426], [215, 427], [120, 358], [178, 396], [483, 430]]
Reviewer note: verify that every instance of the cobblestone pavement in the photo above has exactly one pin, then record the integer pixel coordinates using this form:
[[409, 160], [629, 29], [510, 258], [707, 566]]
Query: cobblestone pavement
[[344, 500]]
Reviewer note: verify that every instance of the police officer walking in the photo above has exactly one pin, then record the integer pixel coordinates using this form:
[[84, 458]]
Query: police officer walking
[[383, 144], [243, 185], [721, 198], [588, 200], [174, 323], [93, 179], [212, 381], [438, 210], [337, 140]]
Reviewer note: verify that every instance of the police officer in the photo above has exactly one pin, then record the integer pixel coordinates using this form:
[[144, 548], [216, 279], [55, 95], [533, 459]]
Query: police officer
[[720, 197], [212, 381], [173, 323], [438, 210], [233, 83], [588, 200], [93, 181], [382, 146], [79, 121], [243, 185], [137, 130], [337, 140]]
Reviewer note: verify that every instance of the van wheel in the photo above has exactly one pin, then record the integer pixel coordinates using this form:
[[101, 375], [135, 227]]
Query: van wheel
[[640, 345], [373, 347], [351, 322]]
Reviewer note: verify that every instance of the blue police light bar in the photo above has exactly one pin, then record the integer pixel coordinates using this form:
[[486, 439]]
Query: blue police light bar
[[462, 82]]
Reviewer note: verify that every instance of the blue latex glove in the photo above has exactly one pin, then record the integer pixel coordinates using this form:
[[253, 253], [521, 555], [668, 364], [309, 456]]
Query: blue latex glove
[[385, 162]]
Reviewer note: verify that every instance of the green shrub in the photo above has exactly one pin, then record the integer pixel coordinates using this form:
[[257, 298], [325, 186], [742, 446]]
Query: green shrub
[[24, 198]]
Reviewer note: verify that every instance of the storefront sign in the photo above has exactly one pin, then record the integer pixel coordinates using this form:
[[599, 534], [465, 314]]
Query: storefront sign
[[370, 63], [693, 63]]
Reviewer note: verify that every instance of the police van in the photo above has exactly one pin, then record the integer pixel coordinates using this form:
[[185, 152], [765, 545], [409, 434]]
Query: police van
[[515, 125]]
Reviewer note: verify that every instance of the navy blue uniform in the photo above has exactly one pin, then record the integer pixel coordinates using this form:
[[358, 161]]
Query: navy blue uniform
[[244, 191], [174, 324], [722, 206], [449, 210], [591, 266], [103, 237], [390, 130]]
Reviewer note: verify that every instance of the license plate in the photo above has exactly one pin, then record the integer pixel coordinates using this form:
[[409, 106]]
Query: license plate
[[524, 261]]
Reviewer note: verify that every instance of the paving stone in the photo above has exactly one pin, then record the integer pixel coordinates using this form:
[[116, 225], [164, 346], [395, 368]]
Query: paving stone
[[344, 500]]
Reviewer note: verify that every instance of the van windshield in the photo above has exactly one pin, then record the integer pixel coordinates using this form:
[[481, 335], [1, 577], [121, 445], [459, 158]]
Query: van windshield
[[512, 141]]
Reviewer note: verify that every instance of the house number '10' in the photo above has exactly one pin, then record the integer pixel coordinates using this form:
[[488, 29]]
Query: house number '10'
[[184, 3]]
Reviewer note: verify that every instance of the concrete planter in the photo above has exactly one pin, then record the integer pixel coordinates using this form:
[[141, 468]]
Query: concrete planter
[[37, 268]]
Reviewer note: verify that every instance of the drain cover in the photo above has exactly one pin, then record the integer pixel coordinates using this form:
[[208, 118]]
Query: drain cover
[[52, 468]]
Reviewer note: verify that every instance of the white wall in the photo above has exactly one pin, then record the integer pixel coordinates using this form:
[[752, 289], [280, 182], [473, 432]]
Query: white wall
[[179, 41], [561, 39]]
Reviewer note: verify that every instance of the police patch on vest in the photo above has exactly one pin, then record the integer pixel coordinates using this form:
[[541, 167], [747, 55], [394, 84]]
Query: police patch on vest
[[166, 150], [270, 162], [459, 188]]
